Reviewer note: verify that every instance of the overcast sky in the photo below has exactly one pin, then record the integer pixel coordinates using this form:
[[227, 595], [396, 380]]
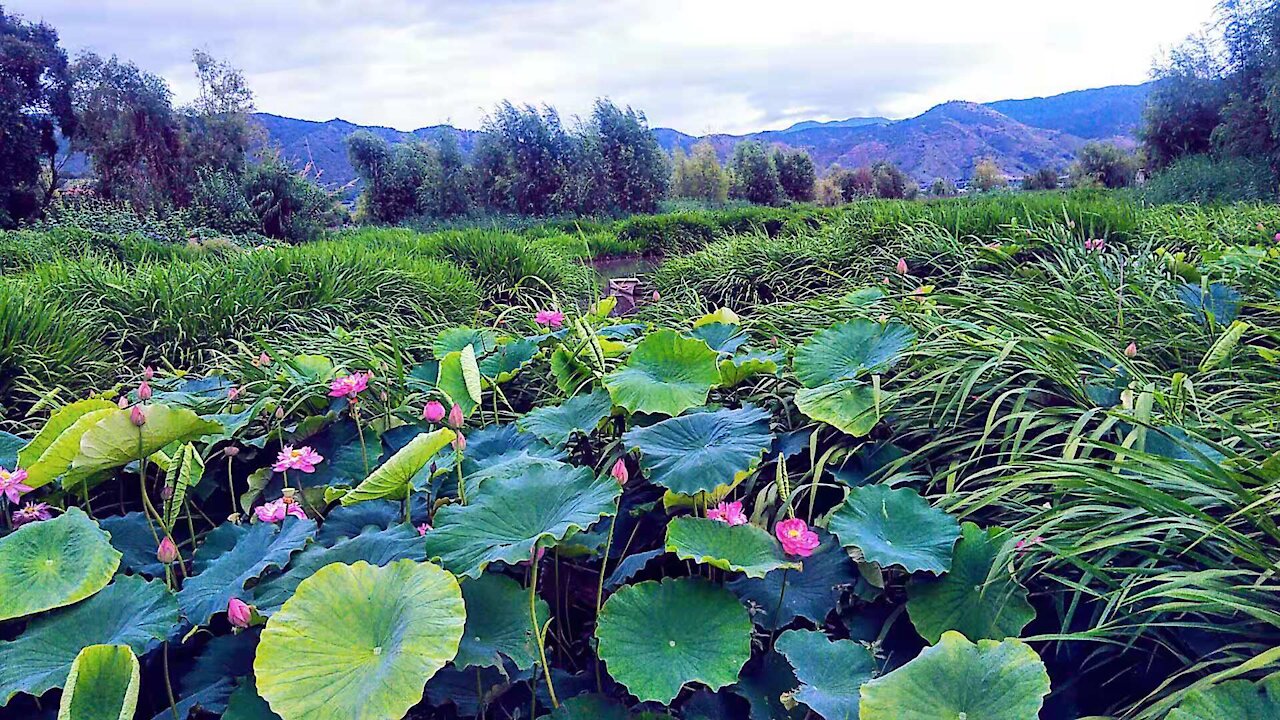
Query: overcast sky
[[698, 65]]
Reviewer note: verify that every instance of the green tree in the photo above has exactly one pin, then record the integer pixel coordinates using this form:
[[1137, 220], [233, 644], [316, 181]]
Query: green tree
[[699, 176], [755, 179], [522, 160], [1046, 178], [396, 177], [943, 188], [987, 176], [219, 125], [1103, 165], [890, 182], [634, 167], [796, 173], [35, 106], [853, 184], [285, 202]]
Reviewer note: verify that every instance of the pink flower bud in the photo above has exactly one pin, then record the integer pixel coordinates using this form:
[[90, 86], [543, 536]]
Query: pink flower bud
[[148, 372], [137, 416], [460, 443], [264, 359], [166, 492], [455, 416], [144, 391], [619, 472], [233, 393], [423, 529], [1132, 350], [902, 266], [656, 296], [123, 402], [231, 451], [238, 613], [167, 553], [433, 412]]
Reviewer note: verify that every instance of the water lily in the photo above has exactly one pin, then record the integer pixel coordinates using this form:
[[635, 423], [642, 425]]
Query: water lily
[[433, 412], [167, 552], [796, 537], [11, 484], [278, 510], [137, 416], [31, 512], [455, 416], [551, 318], [349, 386], [291, 458], [728, 513], [619, 472], [239, 614]]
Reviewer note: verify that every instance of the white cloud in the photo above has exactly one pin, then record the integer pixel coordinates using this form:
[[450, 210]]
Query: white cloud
[[701, 65]]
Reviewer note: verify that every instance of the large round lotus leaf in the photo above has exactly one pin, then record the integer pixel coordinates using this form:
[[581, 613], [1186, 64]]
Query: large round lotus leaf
[[559, 423], [958, 679], [830, 673], [498, 624], [749, 363], [721, 337], [896, 527], [665, 375], [657, 636], [213, 676], [130, 611], [741, 548], [53, 563], [231, 556], [506, 360], [391, 479], [246, 704], [978, 597], [359, 642], [1218, 301], [851, 350], [1231, 700], [812, 591], [503, 451], [515, 515], [377, 547], [702, 451], [847, 405], [113, 441], [102, 685]]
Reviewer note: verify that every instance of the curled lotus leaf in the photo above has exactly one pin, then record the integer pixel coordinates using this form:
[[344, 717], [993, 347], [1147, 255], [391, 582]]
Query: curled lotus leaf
[[747, 549], [896, 527], [665, 375], [102, 685]]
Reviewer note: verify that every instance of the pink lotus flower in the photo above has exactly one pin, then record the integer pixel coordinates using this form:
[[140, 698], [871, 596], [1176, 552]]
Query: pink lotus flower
[[1095, 245], [123, 402], [460, 443], [1278, 237], [167, 553], [278, 510], [144, 391], [728, 513], [902, 266], [349, 386], [433, 412], [423, 529], [31, 512], [238, 613], [796, 537], [1026, 545], [148, 372], [1131, 351], [455, 416], [137, 416], [291, 458], [11, 484], [263, 360], [551, 318], [619, 472], [656, 296]]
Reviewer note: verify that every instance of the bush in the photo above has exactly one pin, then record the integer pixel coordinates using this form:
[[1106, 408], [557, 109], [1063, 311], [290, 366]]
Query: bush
[[1202, 179], [1103, 165], [1046, 178]]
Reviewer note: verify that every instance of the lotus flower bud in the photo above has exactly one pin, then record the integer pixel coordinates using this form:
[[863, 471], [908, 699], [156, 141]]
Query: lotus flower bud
[[264, 359], [123, 402], [233, 393], [1131, 351], [455, 416], [902, 266], [144, 391], [619, 472], [460, 443], [231, 451], [148, 372], [238, 613], [166, 492], [279, 413], [167, 553], [433, 412], [137, 416], [656, 296]]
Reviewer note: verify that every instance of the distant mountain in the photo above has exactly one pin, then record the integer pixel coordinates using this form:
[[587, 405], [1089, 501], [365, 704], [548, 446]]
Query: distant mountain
[[1104, 113], [850, 122]]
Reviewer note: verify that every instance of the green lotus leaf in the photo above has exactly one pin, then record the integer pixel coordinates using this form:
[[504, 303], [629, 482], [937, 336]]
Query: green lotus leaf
[[811, 592], [130, 611], [506, 360], [956, 679], [722, 315], [559, 423], [740, 548], [721, 337], [392, 478], [213, 676], [702, 451], [45, 565], [570, 372], [896, 527], [739, 368], [978, 597], [347, 522], [763, 683], [848, 405], [831, 673], [453, 380], [536, 509], [359, 642], [850, 350], [1231, 700], [597, 707], [502, 451], [59, 422], [102, 685], [498, 624], [231, 556], [10, 446], [185, 471], [246, 704], [376, 547], [55, 459], [482, 341], [648, 643], [113, 441], [135, 538], [666, 375]]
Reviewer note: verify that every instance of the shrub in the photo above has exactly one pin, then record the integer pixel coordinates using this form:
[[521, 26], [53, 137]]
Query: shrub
[[1046, 178], [1202, 179], [1103, 165], [987, 176]]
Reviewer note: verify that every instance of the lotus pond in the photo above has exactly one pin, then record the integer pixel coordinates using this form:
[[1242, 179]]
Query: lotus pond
[[1007, 477]]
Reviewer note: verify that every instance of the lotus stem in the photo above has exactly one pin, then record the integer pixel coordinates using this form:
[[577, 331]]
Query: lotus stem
[[540, 634]]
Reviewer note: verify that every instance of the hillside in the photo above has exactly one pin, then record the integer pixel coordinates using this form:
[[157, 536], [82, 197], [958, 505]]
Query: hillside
[[946, 141]]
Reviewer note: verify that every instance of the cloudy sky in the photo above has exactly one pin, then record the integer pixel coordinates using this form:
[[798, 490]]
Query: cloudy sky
[[697, 65]]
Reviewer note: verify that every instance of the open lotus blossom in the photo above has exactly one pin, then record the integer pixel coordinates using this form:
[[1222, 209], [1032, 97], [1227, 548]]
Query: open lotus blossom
[[278, 510], [728, 513], [423, 529], [11, 484], [433, 412], [167, 552], [619, 472], [1095, 245], [137, 416], [1131, 350], [349, 386], [551, 318], [31, 512], [1024, 545], [303, 459], [455, 416], [902, 266], [239, 613], [796, 537]]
